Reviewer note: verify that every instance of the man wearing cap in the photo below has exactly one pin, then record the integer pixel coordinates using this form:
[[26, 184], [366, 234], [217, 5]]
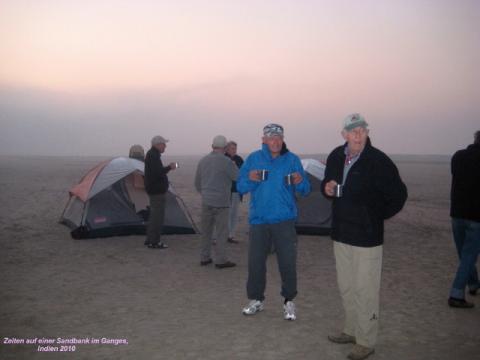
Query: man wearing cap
[[372, 191], [156, 186], [272, 176], [213, 180]]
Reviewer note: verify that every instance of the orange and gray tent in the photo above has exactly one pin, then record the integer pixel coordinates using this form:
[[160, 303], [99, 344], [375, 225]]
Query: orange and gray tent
[[314, 210], [110, 200]]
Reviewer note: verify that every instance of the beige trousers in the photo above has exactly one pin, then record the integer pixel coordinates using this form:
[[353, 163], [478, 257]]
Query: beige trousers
[[359, 271]]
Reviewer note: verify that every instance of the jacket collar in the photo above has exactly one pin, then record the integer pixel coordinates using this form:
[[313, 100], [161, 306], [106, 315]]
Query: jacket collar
[[266, 152], [155, 150], [366, 150], [473, 147]]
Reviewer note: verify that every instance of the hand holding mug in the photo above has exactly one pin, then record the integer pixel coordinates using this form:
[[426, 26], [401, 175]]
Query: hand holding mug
[[330, 187], [297, 178], [255, 175]]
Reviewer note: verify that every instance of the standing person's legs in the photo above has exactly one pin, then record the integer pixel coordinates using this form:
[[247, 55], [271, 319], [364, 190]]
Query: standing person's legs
[[233, 215], [156, 218], [467, 241], [473, 281], [367, 274], [207, 222], [473, 231], [284, 238], [221, 226], [258, 247], [345, 270]]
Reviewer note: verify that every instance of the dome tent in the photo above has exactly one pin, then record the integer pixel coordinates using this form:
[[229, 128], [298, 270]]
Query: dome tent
[[110, 200], [315, 210]]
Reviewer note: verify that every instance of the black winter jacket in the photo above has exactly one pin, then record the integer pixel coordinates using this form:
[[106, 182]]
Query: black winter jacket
[[465, 192], [239, 162], [156, 180], [373, 192]]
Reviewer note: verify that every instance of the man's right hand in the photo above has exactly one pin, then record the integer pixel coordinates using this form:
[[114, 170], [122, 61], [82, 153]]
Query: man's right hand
[[330, 187], [173, 166], [254, 175]]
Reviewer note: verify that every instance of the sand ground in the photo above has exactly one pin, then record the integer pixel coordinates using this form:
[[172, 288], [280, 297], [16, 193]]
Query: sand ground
[[168, 307]]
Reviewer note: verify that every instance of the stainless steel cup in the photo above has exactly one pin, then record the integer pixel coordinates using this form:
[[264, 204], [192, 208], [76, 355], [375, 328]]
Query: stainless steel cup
[[289, 179], [176, 165], [263, 174], [338, 190]]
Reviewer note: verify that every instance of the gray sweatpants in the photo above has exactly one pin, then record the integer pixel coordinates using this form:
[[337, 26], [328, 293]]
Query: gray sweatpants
[[284, 238], [156, 219], [214, 218]]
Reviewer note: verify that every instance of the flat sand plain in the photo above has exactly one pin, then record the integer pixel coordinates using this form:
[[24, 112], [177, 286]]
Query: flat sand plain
[[168, 307]]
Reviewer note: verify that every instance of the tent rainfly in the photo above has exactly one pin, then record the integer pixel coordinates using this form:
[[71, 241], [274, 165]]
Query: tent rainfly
[[110, 200]]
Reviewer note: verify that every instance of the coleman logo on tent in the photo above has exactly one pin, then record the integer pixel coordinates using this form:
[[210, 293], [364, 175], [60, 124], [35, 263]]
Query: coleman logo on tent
[[100, 219]]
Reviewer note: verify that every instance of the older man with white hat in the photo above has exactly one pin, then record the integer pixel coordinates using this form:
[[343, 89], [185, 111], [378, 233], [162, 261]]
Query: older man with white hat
[[366, 189], [213, 180], [156, 186]]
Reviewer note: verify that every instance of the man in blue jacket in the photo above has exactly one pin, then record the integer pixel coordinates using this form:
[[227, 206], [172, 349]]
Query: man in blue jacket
[[272, 175]]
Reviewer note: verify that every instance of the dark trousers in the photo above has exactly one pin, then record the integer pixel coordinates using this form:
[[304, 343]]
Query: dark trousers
[[156, 218], [466, 234], [284, 238]]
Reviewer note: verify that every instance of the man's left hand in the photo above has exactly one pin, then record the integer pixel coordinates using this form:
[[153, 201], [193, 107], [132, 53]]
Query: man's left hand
[[297, 178]]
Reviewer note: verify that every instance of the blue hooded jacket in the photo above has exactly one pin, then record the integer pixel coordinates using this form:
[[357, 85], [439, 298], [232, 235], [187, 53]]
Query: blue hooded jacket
[[272, 201]]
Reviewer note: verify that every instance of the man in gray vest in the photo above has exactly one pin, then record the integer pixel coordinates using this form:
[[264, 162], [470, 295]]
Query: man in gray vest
[[213, 180]]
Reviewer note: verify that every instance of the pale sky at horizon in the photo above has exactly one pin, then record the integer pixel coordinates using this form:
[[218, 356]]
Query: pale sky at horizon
[[94, 77]]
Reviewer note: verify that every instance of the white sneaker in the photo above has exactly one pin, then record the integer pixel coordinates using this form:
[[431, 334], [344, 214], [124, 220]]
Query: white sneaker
[[253, 307], [289, 311]]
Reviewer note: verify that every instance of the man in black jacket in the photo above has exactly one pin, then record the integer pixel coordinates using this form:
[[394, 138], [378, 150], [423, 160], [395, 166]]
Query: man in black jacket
[[235, 198], [465, 213], [366, 189], [156, 186]]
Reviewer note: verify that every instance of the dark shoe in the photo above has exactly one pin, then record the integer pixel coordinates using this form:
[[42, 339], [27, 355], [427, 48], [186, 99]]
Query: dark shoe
[[473, 292], [360, 352], [206, 262], [157, 246], [232, 240], [146, 243], [342, 338], [459, 303], [228, 264]]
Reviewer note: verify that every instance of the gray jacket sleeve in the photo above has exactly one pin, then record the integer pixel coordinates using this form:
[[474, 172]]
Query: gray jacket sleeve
[[198, 181]]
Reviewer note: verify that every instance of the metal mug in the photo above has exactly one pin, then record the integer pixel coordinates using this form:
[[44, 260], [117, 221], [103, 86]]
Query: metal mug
[[263, 174], [338, 190], [289, 179], [176, 165]]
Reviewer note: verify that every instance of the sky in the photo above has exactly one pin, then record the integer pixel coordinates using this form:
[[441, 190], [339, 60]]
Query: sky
[[95, 77]]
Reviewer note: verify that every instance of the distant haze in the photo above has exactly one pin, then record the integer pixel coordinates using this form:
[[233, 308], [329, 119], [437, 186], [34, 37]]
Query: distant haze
[[95, 77]]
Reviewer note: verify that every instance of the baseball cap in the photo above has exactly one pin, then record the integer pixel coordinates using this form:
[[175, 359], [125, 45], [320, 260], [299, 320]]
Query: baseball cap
[[354, 120], [273, 130], [219, 141], [159, 140]]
